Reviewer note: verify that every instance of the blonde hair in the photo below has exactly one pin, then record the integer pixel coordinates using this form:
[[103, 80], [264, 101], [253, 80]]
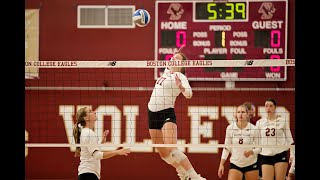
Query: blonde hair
[[81, 113], [247, 110], [249, 105]]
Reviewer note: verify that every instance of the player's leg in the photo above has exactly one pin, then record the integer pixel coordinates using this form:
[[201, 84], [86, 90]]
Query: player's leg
[[267, 167], [234, 174], [156, 120], [157, 138], [252, 175], [169, 131], [280, 170], [251, 172], [259, 166], [267, 172], [281, 165]]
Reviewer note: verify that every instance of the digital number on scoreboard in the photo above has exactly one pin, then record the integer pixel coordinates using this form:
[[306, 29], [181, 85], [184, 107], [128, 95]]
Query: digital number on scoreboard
[[229, 30]]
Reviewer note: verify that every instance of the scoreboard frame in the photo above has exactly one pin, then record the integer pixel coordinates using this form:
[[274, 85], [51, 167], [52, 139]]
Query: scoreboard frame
[[269, 43]]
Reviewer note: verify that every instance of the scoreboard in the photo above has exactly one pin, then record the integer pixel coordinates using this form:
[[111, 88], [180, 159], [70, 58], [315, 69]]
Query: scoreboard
[[224, 30]]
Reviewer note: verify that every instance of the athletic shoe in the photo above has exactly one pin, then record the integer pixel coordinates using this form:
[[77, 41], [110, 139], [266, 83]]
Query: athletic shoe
[[183, 176], [199, 178]]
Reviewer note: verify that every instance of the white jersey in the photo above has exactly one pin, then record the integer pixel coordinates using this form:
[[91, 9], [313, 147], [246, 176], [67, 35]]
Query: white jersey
[[88, 164], [165, 91], [275, 132], [246, 136]]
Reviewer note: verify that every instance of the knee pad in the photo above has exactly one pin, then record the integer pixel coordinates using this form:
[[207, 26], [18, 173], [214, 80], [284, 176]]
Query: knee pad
[[178, 155], [168, 159]]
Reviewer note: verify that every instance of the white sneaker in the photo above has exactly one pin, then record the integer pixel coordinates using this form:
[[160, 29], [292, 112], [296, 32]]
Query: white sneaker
[[183, 176], [199, 178]]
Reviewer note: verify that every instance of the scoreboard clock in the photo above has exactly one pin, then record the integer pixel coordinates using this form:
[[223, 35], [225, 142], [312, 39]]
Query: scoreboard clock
[[224, 30]]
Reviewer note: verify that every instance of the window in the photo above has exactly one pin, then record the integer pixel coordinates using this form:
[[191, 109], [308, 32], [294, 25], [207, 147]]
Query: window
[[101, 16]]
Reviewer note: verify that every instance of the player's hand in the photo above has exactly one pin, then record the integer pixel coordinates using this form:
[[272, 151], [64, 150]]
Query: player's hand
[[104, 136], [180, 49], [77, 154], [220, 171], [248, 153], [290, 176], [124, 151]]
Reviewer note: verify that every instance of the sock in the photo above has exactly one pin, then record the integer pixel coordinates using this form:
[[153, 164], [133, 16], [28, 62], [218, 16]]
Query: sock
[[180, 170], [192, 173]]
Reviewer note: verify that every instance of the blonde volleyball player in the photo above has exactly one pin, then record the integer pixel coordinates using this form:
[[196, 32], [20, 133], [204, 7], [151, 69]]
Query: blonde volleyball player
[[162, 117], [243, 160], [274, 130], [83, 133]]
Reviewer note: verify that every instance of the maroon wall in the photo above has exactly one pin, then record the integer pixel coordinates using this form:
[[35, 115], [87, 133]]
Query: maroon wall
[[46, 114], [60, 40]]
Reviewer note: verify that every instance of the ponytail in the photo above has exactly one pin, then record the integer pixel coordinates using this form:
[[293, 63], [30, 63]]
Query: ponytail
[[78, 127]]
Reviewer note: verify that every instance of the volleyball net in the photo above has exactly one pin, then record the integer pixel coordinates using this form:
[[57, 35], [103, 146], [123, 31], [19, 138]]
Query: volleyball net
[[119, 91]]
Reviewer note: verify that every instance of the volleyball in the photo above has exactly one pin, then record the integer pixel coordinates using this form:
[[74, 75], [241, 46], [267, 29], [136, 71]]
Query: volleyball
[[141, 17]]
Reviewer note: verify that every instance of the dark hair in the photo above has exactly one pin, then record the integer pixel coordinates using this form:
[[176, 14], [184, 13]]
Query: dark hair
[[273, 101], [184, 57], [81, 113]]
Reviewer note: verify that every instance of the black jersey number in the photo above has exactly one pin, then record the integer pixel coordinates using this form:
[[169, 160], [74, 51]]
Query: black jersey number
[[240, 140], [270, 132], [160, 80]]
